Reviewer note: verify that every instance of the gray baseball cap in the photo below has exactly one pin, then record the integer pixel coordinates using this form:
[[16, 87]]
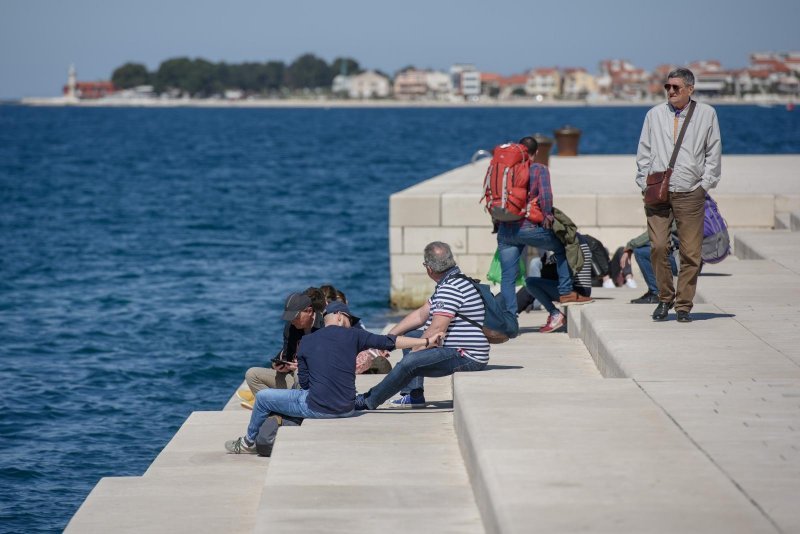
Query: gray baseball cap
[[295, 303]]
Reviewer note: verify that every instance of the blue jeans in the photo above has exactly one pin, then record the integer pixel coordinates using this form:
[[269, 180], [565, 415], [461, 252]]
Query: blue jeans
[[642, 255], [291, 402], [511, 241], [416, 384], [435, 362], [543, 290]]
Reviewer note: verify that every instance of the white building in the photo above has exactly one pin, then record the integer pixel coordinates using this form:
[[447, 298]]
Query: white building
[[466, 80], [369, 84], [341, 84]]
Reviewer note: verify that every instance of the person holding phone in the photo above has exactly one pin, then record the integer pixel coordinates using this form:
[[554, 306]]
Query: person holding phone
[[303, 315]]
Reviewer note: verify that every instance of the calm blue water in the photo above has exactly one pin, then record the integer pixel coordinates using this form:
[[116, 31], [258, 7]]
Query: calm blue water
[[146, 253]]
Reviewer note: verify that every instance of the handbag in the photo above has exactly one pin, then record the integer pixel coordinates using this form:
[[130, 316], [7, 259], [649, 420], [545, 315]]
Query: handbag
[[656, 192]]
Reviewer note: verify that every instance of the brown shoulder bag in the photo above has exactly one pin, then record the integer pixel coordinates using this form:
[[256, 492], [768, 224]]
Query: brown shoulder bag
[[657, 191]]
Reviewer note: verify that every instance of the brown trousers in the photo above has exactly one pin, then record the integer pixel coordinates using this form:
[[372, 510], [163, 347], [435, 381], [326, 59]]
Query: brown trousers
[[688, 210]]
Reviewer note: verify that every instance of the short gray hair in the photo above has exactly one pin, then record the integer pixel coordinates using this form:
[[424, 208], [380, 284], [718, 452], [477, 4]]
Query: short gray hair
[[684, 74], [439, 257]]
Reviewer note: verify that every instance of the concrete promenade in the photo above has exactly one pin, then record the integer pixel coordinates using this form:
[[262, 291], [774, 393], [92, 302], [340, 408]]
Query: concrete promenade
[[619, 425], [622, 425]]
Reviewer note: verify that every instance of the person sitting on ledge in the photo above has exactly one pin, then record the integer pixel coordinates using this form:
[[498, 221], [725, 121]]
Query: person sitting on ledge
[[453, 311], [326, 370], [544, 288], [303, 315]]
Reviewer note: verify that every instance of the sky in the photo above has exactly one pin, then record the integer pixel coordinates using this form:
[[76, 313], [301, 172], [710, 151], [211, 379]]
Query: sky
[[39, 39]]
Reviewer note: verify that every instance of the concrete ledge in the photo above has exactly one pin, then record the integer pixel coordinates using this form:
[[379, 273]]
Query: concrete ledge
[[382, 471], [590, 456], [794, 225]]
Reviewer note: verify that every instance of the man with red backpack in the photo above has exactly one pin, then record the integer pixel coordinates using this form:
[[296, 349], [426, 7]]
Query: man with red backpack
[[520, 200]]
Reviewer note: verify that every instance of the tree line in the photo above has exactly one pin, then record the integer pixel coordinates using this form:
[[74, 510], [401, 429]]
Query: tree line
[[202, 78]]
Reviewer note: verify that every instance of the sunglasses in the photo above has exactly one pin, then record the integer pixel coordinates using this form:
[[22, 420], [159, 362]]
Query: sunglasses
[[676, 88]]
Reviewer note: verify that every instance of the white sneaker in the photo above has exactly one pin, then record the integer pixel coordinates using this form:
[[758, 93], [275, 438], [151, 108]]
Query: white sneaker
[[608, 283], [631, 283]]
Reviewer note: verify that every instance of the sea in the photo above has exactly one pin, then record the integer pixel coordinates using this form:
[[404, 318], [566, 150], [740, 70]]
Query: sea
[[146, 253]]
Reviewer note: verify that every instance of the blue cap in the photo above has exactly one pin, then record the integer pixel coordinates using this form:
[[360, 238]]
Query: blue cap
[[337, 306]]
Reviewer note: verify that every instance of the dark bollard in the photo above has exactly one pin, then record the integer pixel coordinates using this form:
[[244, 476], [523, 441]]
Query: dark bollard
[[567, 138], [545, 144]]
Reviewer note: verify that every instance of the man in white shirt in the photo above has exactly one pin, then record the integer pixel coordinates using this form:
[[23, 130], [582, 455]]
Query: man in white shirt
[[697, 169]]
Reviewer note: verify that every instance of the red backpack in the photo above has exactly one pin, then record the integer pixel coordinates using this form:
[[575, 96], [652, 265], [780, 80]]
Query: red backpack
[[506, 189]]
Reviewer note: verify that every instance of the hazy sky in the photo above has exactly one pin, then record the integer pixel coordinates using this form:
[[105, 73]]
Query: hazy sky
[[40, 38]]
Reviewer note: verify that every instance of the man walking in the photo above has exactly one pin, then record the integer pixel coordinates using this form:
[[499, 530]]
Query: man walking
[[513, 236], [697, 170], [454, 311]]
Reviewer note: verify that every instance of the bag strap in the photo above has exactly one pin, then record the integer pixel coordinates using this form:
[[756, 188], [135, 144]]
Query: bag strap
[[674, 157], [463, 276]]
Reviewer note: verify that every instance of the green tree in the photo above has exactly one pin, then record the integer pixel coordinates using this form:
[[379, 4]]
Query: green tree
[[308, 71], [196, 77], [351, 66], [130, 75]]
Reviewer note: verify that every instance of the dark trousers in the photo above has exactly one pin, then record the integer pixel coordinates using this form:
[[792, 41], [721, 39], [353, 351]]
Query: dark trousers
[[687, 209]]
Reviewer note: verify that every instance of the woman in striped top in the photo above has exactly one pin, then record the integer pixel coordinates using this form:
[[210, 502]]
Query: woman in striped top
[[545, 288]]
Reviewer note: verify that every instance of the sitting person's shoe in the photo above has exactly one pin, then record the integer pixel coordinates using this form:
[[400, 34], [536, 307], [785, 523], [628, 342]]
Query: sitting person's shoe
[[554, 322], [684, 317], [407, 401], [631, 283], [608, 283], [661, 311], [246, 405], [647, 298], [245, 395], [574, 298], [240, 446], [361, 403]]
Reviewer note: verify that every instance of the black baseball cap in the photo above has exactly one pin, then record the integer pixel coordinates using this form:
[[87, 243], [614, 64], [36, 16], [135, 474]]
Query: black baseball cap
[[295, 303], [337, 306]]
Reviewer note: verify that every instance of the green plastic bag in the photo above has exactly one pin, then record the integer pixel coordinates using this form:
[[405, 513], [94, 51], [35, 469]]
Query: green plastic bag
[[495, 273]]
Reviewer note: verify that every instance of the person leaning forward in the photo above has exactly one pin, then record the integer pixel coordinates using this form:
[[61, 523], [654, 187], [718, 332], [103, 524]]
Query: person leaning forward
[[697, 170]]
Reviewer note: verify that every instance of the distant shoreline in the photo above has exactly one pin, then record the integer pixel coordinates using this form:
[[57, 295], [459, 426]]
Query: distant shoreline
[[321, 103]]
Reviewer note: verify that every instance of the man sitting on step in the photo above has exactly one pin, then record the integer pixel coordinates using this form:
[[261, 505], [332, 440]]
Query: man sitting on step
[[448, 312]]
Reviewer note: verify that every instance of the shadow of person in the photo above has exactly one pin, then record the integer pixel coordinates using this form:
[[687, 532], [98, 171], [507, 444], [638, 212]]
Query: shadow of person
[[705, 316], [492, 367]]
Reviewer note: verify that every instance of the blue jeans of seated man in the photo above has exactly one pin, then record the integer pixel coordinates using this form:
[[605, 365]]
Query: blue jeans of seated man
[[511, 241], [544, 290], [291, 402], [435, 362], [642, 255], [417, 383]]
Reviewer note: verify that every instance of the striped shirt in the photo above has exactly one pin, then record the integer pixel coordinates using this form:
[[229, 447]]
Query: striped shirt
[[458, 295], [582, 283]]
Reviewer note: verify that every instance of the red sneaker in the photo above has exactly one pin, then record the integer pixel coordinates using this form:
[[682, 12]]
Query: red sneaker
[[554, 322]]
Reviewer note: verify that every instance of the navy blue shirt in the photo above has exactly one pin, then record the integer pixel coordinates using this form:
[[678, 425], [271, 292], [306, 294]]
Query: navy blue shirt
[[326, 365]]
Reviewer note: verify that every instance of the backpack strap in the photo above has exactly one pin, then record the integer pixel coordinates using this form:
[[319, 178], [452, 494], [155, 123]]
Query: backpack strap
[[474, 283]]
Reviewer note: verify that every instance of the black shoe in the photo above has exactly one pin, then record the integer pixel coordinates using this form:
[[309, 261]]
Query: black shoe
[[660, 314], [647, 298], [361, 403], [684, 317]]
